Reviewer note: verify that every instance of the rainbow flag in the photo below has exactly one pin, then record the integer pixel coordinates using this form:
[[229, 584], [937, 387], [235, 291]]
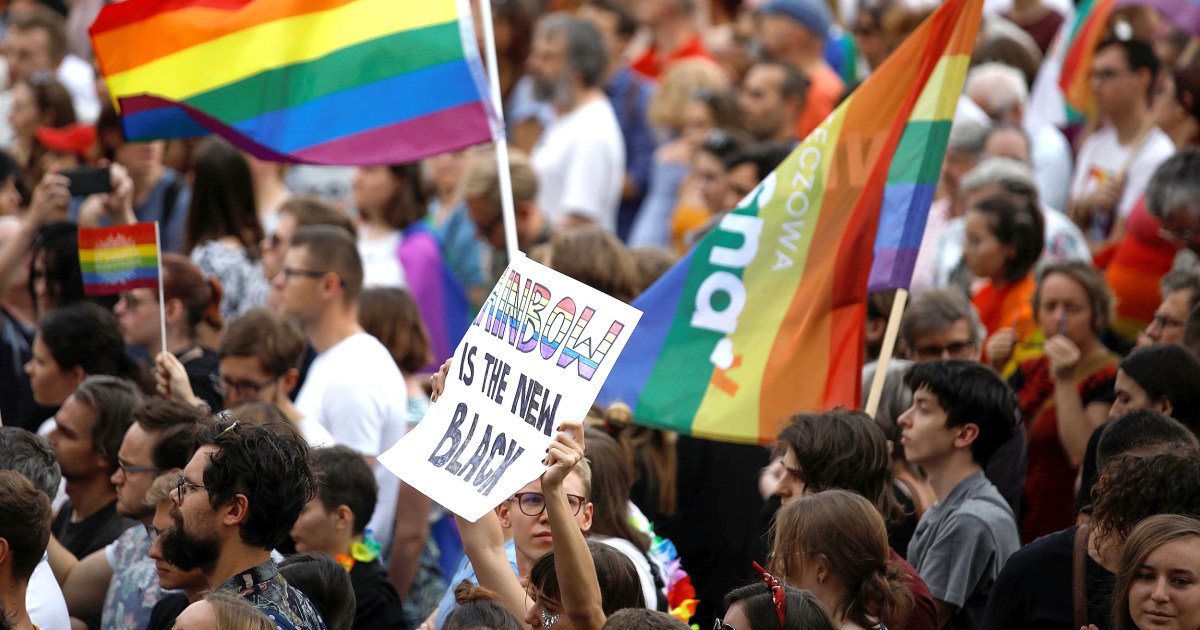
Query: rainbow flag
[[117, 259], [764, 317], [347, 82], [440, 297], [1080, 38]]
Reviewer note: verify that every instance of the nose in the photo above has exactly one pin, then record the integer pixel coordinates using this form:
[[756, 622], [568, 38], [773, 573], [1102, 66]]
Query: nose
[[532, 618], [1159, 594], [29, 367], [277, 281], [117, 478], [905, 419]]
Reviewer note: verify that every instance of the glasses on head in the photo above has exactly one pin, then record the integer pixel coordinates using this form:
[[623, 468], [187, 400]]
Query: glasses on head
[[534, 503], [224, 386], [1162, 321], [777, 594], [182, 484], [128, 470], [955, 349], [289, 273]]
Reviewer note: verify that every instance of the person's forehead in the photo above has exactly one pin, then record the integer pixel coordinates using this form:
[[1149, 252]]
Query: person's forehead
[[135, 444], [236, 366], [199, 462], [1110, 57]]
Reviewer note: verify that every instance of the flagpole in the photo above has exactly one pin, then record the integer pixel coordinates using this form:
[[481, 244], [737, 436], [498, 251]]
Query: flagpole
[[885, 352], [162, 304], [508, 212]]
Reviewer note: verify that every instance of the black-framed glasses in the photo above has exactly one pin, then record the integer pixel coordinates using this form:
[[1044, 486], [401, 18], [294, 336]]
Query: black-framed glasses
[[1164, 321], [182, 484], [289, 273], [777, 594], [955, 349], [534, 503], [128, 470], [224, 386]]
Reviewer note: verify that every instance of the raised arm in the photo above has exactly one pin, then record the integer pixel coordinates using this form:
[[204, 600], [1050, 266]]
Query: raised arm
[[483, 541], [579, 589]]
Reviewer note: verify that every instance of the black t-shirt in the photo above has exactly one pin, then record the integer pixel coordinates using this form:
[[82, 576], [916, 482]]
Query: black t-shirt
[[92, 533], [900, 533], [376, 602], [1035, 587], [201, 365], [1089, 472], [166, 610]]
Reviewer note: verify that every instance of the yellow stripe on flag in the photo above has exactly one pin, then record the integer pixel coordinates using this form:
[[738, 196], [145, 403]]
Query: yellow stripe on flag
[[936, 103], [108, 254]]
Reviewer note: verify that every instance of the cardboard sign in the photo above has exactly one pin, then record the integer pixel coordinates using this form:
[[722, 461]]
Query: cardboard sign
[[535, 357]]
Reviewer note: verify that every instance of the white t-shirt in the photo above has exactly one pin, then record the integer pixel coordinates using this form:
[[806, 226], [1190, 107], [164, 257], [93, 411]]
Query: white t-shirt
[[314, 433], [381, 263], [355, 390], [580, 164], [649, 591], [1102, 156], [44, 599]]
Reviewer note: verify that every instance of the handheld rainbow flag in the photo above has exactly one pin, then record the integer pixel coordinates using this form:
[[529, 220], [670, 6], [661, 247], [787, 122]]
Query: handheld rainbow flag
[[1079, 49], [118, 259], [347, 82], [764, 318]]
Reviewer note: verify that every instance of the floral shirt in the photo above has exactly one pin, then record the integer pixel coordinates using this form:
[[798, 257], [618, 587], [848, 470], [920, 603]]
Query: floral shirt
[[285, 605], [243, 283], [134, 589]]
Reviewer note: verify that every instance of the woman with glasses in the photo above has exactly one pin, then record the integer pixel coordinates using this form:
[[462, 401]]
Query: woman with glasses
[[835, 544], [191, 301], [773, 605], [1003, 241], [1065, 394]]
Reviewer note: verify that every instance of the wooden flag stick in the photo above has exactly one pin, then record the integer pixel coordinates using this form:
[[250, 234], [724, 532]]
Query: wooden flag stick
[[885, 352], [162, 303]]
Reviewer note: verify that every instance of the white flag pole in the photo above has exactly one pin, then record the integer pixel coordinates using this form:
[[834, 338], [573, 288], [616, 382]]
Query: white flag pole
[[501, 140], [162, 303]]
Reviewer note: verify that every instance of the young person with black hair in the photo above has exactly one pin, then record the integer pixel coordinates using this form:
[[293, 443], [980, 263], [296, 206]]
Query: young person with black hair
[[962, 413], [326, 582], [773, 605], [335, 522], [236, 500]]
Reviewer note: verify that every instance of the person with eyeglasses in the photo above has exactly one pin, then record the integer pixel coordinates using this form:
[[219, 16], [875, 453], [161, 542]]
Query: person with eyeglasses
[[119, 583], [1115, 163], [235, 502], [1180, 295]]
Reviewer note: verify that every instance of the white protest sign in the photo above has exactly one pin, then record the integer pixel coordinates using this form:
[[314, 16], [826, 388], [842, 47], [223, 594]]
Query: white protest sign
[[535, 357]]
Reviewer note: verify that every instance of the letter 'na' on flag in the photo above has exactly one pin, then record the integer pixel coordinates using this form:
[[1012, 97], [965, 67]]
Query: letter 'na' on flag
[[117, 259], [764, 317], [341, 82]]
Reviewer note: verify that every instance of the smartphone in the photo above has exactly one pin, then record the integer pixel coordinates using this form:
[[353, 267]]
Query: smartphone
[[88, 180]]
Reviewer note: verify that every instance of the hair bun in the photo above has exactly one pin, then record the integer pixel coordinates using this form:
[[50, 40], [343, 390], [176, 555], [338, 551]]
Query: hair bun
[[467, 592]]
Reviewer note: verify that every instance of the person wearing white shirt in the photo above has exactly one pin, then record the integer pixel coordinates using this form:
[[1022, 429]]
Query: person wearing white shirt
[[353, 388]]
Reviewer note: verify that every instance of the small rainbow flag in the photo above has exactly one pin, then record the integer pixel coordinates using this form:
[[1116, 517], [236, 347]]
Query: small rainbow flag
[[117, 259], [764, 318], [348, 82], [1079, 41]]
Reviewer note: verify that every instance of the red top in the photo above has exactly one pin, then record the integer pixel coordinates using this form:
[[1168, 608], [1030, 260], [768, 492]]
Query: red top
[[651, 63], [924, 612], [1140, 259], [1049, 494], [1007, 306]]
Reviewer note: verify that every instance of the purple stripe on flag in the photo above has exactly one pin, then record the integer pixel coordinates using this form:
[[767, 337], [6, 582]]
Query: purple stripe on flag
[[1184, 13], [892, 269], [447, 130], [905, 208]]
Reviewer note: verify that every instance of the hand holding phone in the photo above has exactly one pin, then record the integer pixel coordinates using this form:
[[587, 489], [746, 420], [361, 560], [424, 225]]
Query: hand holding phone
[[88, 180]]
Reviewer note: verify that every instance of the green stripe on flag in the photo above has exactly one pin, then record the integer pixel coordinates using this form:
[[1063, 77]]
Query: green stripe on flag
[[918, 158]]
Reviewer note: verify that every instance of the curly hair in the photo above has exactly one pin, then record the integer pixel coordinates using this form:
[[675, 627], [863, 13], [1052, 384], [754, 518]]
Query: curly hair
[[1142, 483], [269, 467]]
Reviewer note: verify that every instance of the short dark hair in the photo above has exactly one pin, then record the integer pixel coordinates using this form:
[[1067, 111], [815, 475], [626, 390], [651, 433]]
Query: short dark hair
[[642, 619], [627, 22], [24, 522], [87, 336], [1138, 54], [1185, 279], [766, 157], [47, 20], [114, 400], [326, 583], [275, 340], [1175, 186], [331, 249], [846, 450], [587, 53], [312, 210], [795, 82], [1015, 223], [970, 393], [175, 424], [804, 610], [58, 246], [30, 454], [344, 478], [479, 608], [1168, 371], [269, 467], [1139, 429], [618, 578], [222, 203]]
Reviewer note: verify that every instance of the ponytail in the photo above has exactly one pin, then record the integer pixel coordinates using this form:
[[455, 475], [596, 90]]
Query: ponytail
[[883, 595]]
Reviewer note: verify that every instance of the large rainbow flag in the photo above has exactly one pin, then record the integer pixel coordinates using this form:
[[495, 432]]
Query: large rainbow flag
[[346, 82], [764, 317]]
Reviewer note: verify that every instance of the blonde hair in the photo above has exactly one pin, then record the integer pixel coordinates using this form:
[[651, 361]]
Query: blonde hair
[[676, 89], [236, 613], [161, 487]]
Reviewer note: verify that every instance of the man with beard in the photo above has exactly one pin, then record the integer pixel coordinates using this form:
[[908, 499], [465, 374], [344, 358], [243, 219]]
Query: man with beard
[[87, 434], [118, 585], [235, 501], [580, 159]]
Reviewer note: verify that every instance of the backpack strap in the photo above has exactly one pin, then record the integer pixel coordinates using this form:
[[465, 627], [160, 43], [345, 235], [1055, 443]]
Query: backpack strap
[[1079, 575]]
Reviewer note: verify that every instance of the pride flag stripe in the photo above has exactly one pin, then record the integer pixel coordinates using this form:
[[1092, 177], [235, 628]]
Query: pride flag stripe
[[308, 81], [764, 317], [120, 258]]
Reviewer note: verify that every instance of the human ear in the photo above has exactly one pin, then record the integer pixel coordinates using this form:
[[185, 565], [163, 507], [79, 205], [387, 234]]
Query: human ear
[[237, 510]]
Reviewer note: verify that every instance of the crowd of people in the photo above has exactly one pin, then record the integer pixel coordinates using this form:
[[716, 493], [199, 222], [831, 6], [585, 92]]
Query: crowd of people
[[211, 460]]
